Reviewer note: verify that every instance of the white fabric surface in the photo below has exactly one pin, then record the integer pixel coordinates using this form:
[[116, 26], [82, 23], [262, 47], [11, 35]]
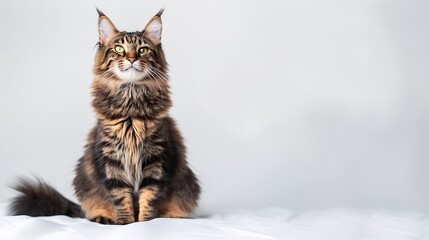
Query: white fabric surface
[[270, 223]]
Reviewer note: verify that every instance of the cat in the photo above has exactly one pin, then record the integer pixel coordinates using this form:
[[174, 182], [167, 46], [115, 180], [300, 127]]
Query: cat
[[134, 166]]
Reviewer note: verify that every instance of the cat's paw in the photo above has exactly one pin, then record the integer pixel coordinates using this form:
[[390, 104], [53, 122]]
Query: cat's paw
[[146, 218], [102, 220], [124, 220], [174, 215]]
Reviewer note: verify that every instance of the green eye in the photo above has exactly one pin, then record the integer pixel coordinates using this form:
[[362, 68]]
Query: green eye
[[119, 49], [143, 50]]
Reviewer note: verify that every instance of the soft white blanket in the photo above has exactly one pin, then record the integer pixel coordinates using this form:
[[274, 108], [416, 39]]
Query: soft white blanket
[[270, 223]]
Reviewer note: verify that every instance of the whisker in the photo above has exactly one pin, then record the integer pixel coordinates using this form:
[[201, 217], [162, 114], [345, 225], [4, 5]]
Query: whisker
[[161, 74], [153, 75], [164, 82], [106, 77]]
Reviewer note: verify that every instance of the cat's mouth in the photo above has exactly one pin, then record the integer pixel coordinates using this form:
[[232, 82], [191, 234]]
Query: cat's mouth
[[134, 66], [130, 72], [131, 69]]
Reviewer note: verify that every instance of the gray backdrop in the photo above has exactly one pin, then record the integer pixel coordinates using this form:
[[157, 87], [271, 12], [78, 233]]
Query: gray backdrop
[[299, 104]]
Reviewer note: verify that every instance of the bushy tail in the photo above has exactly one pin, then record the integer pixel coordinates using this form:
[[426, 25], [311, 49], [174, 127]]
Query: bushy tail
[[36, 198]]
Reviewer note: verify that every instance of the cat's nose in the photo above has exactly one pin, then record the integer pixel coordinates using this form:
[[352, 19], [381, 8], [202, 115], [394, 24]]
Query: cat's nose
[[131, 59]]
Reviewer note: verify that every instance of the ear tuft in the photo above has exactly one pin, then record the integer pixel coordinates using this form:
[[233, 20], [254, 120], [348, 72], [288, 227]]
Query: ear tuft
[[160, 12], [100, 13], [153, 29]]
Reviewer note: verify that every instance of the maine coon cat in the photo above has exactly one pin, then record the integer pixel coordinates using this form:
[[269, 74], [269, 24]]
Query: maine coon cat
[[134, 166]]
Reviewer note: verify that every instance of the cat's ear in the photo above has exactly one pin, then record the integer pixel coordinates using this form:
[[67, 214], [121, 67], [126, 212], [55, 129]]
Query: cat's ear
[[153, 29], [106, 28]]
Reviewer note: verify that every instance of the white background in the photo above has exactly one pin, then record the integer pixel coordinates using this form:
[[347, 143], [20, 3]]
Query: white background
[[299, 104]]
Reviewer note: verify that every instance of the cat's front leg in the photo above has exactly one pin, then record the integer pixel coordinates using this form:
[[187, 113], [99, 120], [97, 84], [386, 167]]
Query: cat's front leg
[[122, 197], [148, 202], [150, 189]]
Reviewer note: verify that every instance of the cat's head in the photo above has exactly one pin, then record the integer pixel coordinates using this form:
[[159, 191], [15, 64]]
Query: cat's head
[[130, 57]]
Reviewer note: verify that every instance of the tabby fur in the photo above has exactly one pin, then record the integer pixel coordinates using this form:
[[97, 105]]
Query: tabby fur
[[134, 166]]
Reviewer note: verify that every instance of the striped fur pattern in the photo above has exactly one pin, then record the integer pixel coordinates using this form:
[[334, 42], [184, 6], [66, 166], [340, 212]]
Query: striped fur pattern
[[134, 166]]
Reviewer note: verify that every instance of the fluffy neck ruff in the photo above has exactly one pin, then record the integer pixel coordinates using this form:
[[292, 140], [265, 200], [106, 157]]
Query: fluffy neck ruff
[[145, 100]]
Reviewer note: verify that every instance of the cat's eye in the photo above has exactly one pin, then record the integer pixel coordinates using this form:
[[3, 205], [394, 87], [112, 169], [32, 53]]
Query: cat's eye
[[143, 50], [119, 49]]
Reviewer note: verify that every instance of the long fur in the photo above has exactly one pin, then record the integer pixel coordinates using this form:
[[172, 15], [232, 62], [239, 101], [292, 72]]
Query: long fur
[[134, 166], [37, 198]]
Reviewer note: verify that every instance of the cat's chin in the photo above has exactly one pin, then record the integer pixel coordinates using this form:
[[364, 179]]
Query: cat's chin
[[130, 75]]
